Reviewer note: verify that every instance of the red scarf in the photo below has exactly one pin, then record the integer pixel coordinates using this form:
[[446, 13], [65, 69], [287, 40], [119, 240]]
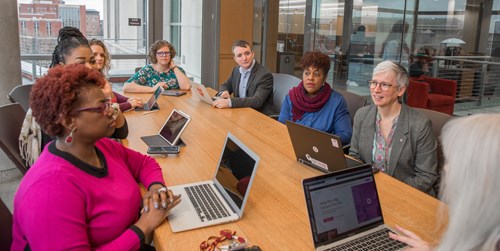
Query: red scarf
[[301, 103]]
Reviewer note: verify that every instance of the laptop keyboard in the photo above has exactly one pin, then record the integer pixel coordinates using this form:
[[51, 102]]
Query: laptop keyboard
[[154, 140], [378, 240], [207, 204]]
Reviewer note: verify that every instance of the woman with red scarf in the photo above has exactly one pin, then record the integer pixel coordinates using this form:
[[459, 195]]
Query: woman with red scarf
[[313, 103]]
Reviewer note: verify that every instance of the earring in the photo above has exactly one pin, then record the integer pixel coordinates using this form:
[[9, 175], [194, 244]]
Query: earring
[[69, 138]]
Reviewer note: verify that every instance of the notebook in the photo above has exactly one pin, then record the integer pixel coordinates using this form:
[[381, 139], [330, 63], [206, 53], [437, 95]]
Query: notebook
[[318, 149], [201, 92], [171, 131], [151, 104], [222, 199], [344, 210]]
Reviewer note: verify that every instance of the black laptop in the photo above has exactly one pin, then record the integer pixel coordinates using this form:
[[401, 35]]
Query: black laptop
[[344, 211], [318, 149]]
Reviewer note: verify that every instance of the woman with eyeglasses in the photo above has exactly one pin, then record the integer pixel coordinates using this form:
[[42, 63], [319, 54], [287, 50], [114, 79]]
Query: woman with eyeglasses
[[314, 103], [72, 48], [393, 137], [103, 64], [161, 72], [82, 193]]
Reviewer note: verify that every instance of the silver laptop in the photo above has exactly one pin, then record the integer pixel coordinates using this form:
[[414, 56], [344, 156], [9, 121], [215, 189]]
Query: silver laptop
[[318, 149], [171, 131], [151, 104], [200, 91], [344, 211], [222, 199]]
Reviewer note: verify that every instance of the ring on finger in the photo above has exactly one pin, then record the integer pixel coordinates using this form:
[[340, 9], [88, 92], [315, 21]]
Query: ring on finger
[[163, 189]]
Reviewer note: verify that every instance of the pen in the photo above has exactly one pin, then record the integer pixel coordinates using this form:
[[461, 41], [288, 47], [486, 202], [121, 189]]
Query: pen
[[149, 112]]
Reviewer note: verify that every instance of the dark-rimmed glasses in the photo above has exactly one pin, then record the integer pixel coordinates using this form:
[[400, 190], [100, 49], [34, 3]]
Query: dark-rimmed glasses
[[101, 109], [163, 53], [383, 85]]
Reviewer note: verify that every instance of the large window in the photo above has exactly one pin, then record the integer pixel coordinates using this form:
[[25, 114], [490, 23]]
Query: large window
[[175, 25], [108, 20]]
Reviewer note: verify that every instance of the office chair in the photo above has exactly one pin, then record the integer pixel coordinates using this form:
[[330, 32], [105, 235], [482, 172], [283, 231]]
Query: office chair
[[438, 120], [5, 227], [21, 95], [11, 121], [436, 94], [354, 102], [282, 84]]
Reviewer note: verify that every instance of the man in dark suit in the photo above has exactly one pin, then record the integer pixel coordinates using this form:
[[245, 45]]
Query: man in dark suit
[[250, 83]]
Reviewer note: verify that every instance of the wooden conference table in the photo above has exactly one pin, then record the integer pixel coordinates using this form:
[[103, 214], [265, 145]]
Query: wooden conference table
[[275, 217]]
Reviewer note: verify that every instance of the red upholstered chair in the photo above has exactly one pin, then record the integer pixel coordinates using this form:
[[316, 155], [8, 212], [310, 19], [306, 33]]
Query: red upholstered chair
[[436, 94]]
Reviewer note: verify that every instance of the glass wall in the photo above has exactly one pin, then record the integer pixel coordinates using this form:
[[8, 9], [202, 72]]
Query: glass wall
[[460, 37]]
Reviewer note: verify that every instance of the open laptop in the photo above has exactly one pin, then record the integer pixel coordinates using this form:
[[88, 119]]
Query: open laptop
[[151, 104], [344, 209], [171, 131], [222, 199], [201, 92], [318, 149]]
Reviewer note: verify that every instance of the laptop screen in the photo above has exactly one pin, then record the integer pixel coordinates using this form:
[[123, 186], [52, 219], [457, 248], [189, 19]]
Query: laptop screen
[[156, 95], [341, 204], [236, 171], [174, 126]]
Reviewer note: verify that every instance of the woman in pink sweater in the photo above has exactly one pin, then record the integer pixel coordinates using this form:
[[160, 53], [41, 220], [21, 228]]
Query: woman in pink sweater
[[82, 193]]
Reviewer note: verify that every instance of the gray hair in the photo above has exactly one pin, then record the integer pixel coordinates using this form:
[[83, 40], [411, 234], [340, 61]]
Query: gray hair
[[471, 183], [401, 73]]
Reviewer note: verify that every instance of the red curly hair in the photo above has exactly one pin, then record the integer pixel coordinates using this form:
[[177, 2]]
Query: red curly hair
[[55, 95], [316, 59]]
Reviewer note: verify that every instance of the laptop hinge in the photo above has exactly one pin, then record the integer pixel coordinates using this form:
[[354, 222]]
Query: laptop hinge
[[224, 197]]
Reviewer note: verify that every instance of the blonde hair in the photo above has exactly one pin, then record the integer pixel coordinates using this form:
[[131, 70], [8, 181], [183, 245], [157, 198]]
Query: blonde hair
[[107, 57], [471, 183]]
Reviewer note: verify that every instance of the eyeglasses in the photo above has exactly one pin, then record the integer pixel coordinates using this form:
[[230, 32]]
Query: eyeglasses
[[383, 86], [163, 53], [101, 109]]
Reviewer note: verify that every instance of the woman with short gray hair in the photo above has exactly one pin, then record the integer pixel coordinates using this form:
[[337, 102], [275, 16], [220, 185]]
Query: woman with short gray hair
[[393, 137]]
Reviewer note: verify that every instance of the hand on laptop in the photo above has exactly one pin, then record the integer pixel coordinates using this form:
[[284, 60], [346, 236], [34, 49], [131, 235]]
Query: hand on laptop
[[221, 103], [135, 102], [156, 208], [162, 84], [411, 239]]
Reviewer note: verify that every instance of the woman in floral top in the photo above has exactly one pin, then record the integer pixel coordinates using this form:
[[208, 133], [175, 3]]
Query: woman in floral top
[[162, 72]]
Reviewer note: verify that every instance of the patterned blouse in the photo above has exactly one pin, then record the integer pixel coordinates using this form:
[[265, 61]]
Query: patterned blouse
[[148, 76], [381, 152]]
